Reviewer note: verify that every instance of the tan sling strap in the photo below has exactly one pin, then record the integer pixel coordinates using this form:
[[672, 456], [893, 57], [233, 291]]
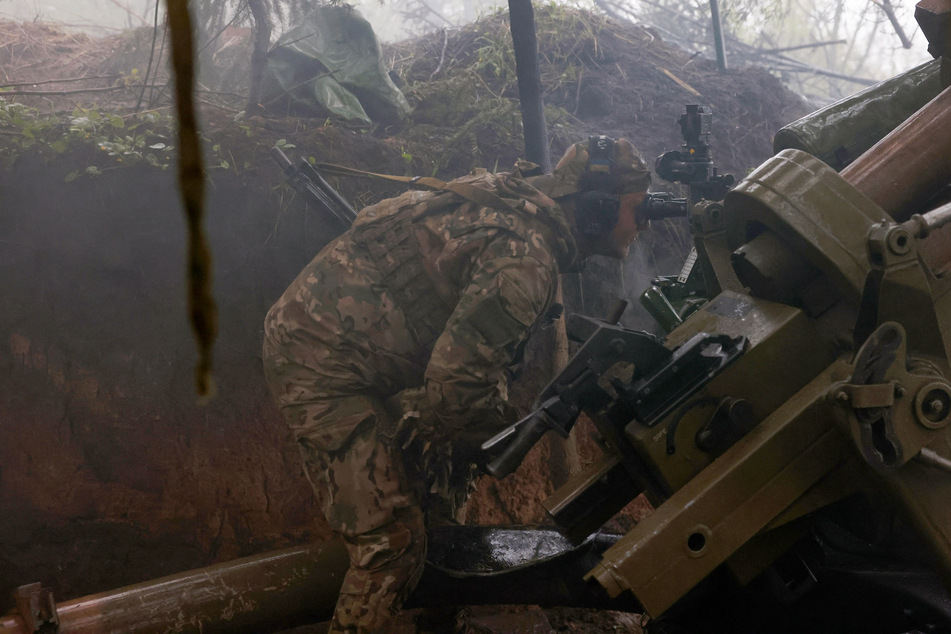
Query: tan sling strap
[[481, 197]]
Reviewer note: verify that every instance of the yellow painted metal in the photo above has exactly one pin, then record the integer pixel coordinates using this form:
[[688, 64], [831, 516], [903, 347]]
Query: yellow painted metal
[[728, 503], [777, 334], [813, 210]]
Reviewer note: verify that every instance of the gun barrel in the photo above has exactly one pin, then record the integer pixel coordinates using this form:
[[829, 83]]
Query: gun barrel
[[341, 207], [525, 438], [281, 159], [908, 166]]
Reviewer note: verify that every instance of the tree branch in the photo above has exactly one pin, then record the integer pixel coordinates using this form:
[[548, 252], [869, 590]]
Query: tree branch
[[262, 40], [148, 69]]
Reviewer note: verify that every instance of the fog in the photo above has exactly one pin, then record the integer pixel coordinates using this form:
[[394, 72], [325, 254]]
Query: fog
[[392, 22], [101, 432]]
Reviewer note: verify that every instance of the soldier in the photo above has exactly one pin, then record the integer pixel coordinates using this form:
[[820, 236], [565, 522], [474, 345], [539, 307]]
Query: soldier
[[388, 353]]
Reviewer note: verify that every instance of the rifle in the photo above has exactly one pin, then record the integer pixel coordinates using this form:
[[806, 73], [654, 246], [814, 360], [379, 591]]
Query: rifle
[[308, 182]]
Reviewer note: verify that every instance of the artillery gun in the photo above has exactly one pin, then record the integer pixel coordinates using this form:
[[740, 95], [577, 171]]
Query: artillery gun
[[792, 433]]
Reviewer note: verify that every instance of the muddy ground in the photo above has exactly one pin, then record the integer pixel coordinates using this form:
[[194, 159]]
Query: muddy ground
[[110, 472]]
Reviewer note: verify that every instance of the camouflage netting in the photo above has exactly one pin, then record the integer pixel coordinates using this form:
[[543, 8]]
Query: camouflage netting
[[109, 472]]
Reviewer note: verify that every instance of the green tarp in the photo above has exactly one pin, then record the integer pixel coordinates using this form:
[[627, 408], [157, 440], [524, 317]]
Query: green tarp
[[331, 66]]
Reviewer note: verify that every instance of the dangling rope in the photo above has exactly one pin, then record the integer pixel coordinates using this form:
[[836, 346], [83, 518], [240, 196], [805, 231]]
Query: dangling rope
[[191, 179]]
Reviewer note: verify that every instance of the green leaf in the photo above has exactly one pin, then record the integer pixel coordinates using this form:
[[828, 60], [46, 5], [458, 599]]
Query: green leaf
[[71, 176], [81, 124]]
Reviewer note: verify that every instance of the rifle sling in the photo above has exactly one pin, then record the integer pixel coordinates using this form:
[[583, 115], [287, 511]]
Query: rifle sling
[[481, 197]]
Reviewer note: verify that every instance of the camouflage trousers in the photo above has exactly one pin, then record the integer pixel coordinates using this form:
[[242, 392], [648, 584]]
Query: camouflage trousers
[[365, 496]]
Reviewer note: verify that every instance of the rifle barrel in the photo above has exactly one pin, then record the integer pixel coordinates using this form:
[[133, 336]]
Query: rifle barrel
[[308, 182]]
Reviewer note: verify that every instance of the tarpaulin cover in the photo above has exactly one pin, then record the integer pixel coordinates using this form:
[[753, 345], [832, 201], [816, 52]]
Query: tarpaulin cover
[[330, 65]]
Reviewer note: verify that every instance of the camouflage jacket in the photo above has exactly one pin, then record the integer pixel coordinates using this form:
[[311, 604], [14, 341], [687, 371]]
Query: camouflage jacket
[[424, 302]]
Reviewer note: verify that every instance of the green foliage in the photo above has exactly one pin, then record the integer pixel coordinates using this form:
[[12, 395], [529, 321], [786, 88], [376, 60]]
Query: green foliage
[[470, 107], [114, 139], [495, 57], [21, 127]]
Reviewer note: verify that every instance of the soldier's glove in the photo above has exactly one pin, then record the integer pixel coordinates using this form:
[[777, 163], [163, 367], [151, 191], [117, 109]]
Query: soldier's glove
[[431, 457]]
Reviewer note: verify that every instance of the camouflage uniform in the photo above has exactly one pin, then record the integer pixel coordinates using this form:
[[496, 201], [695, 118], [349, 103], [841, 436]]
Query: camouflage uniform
[[387, 356], [403, 327]]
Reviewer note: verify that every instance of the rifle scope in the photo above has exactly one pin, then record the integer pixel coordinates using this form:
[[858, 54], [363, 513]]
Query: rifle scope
[[662, 205]]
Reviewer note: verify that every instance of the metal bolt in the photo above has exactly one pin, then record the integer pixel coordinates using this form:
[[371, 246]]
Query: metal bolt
[[899, 391], [936, 406], [842, 397], [899, 241]]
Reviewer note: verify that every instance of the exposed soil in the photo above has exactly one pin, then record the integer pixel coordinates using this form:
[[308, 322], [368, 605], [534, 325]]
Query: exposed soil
[[110, 473]]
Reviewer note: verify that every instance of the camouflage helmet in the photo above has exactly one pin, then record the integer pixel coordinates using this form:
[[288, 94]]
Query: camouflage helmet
[[629, 172]]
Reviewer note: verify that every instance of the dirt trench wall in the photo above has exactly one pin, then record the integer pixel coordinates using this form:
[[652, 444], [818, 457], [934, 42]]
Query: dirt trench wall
[[110, 472], [98, 418]]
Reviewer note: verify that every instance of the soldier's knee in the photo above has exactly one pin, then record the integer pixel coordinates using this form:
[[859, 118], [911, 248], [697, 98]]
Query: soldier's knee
[[402, 538]]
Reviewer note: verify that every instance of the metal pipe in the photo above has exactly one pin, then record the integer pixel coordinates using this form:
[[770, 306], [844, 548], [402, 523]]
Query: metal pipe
[[275, 591], [904, 170], [907, 168], [921, 225], [262, 593], [718, 35], [937, 218]]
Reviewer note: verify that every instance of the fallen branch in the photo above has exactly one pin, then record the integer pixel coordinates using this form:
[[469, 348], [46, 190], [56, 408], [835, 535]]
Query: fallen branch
[[680, 82], [800, 67], [62, 93], [442, 57], [773, 51], [58, 81]]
